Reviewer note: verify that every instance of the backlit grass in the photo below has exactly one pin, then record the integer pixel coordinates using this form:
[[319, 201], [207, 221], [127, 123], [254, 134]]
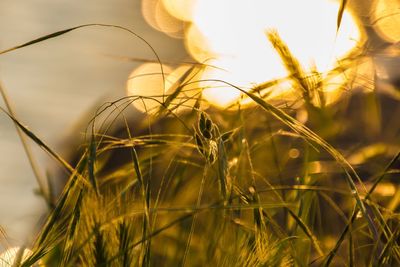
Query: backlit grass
[[242, 186]]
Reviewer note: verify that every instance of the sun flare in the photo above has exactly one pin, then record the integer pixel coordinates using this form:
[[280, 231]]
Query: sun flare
[[231, 35]]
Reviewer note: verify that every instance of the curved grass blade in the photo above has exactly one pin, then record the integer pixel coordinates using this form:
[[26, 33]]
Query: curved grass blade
[[41, 39], [304, 130], [333, 252], [62, 32], [300, 128], [177, 87]]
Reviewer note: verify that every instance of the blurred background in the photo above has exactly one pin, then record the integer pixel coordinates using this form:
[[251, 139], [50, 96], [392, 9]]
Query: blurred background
[[54, 85]]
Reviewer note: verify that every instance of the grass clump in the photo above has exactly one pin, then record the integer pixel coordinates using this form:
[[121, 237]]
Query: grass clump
[[207, 187]]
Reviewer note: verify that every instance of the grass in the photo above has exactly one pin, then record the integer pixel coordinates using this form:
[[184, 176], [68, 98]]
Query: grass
[[240, 187]]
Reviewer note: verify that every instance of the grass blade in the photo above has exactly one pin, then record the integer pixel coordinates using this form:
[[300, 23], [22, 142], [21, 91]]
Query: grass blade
[[45, 190], [177, 87], [307, 231], [91, 164], [333, 252], [72, 231], [41, 39], [40, 143], [305, 131], [340, 14]]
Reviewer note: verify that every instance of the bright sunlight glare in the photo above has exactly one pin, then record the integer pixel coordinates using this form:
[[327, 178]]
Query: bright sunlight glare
[[147, 81], [231, 35], [8, 257], [387, 19], [156, 15]]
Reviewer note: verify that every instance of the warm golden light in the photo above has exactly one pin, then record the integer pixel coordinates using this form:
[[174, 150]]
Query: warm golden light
[[231, 35], [190, 90], [160, 19], [385, 189], [197, 44], [147, 80], [180, 9], [387, 19], [148, 12], [8, 257], [235, 32]]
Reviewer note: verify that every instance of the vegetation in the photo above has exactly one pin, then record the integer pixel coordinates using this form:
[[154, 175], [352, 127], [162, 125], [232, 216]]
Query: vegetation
[[245, 186]]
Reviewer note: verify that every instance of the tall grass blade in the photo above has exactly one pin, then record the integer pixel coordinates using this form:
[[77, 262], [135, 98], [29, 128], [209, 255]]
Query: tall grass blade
[[154, 233], [305, 131], [385, 255], [193, 225], [40, 143], [125, 240], [99, 249], [333, 252], [223, 175], [177, 87], [146, 227], [91, 164], [308, 232], [44, 189], [73, 227], [342, 7], [291, 64], [52, 225]]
